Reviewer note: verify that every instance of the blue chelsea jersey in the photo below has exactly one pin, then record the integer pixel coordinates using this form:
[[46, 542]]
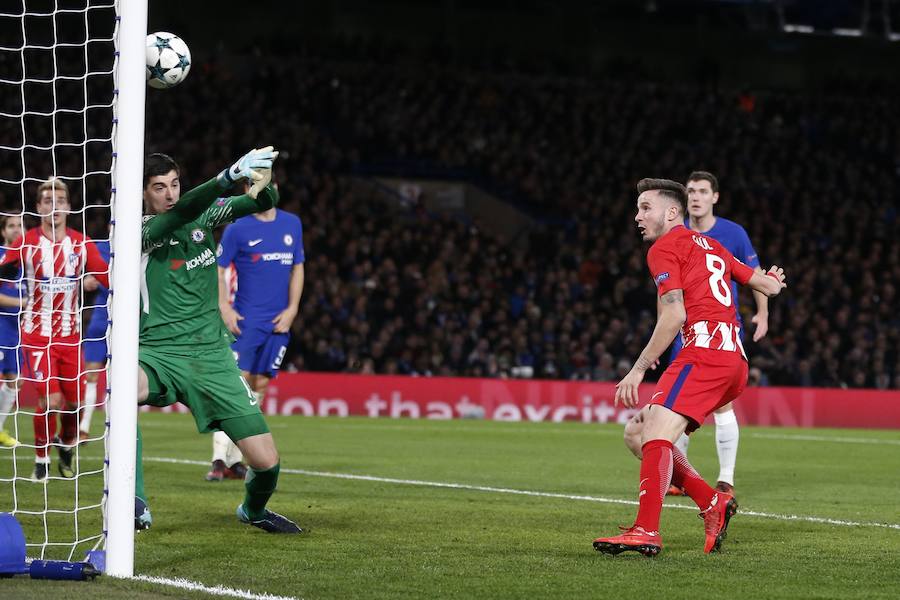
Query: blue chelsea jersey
[[264, 254], [9, 315]]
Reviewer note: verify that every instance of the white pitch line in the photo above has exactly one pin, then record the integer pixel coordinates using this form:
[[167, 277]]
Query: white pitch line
[[217, 590], [546, 428], [496, 490], [821, 438]]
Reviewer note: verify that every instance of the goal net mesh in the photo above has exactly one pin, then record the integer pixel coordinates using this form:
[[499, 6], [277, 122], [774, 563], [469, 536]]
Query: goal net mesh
[[57, 119]]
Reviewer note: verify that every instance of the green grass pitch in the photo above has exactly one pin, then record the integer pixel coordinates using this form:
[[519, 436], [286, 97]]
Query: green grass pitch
[[399, 539]]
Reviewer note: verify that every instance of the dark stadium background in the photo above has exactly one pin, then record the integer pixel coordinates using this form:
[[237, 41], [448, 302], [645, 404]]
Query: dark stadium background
[[555, 110], [465, 170]]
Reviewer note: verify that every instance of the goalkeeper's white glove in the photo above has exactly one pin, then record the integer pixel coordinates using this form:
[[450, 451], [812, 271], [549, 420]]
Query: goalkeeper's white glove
[[258, 158], [261, 178]]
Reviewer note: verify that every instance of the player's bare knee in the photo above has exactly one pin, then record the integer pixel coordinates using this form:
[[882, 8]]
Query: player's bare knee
[[53, 401], [143, 387], [259, 451], [263, 461], [633, 436]]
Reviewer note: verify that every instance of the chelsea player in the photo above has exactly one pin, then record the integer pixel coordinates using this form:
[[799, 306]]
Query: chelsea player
[[703, 194], [266, 252], [10, 307]]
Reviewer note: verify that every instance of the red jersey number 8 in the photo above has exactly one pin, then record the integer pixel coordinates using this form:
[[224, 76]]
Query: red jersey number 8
[[720, 290]]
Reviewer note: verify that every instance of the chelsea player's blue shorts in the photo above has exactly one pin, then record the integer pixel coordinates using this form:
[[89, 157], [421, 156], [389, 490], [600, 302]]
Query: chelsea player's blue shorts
[[259, 350]]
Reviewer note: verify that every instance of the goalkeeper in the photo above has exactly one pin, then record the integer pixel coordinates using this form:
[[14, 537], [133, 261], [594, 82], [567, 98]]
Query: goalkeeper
[[184, 346]]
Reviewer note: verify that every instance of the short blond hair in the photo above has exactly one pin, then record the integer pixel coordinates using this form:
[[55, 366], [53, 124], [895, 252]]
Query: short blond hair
[[52, 184]]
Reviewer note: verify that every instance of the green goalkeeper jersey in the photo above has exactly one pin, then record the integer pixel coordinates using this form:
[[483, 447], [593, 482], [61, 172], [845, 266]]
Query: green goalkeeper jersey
[[179, 277]]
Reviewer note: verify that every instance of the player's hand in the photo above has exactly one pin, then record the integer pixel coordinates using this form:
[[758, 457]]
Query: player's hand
[[777, 273], [231, 318], [245, 167], [265, 176], [284, 320], [90, 283], [627, 389], [762, 326]]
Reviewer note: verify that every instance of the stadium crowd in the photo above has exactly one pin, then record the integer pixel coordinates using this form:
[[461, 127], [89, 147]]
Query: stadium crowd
[[812, 177]]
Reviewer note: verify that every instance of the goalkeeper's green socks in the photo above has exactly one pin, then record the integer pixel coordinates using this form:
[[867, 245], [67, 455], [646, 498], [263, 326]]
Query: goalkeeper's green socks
[[139, 468], [260, 486]]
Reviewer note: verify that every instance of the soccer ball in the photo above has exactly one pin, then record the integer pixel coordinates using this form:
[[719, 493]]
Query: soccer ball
[[168, 60]]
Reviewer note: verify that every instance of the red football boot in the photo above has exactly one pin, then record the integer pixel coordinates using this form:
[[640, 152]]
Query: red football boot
[[217, 471], [674, 490], [648, 543], [715, 520], [236, 471]]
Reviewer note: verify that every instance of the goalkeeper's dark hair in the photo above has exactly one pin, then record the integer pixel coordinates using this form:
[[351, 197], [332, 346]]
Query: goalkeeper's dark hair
[[666, 188], [158, 164]]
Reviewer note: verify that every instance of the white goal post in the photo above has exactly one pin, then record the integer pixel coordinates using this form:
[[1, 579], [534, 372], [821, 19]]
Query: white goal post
[[72, 93], [127, 183]]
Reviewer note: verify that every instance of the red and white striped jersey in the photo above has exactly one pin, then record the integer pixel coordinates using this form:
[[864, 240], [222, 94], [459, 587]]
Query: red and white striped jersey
[[53, 272], [703, 269], [231, 282], [713, 335]]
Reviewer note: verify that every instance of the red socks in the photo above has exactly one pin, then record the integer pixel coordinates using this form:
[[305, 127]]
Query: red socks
[[685, 477], [660, 465], [69, 420], [44, 431], [656, 473]]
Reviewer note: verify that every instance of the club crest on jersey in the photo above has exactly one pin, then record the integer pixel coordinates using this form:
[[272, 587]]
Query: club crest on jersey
[[73, 259], [288, 239], [219, 250], [661, 277], [198, 236]]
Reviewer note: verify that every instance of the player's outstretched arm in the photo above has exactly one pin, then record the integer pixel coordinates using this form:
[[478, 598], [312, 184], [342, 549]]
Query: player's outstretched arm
[[190, 206], [249, 166], [193, 203], [769, 284], [261, 197], [672, 315]]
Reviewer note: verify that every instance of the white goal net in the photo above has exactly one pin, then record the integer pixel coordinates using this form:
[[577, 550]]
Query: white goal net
[[58, 119]]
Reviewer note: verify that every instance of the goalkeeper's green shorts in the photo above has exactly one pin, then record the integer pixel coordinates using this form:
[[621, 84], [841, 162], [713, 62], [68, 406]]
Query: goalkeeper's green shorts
[[209, 383]]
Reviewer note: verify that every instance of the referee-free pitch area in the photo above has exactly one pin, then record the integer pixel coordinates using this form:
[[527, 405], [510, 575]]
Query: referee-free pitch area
[[465, 509]]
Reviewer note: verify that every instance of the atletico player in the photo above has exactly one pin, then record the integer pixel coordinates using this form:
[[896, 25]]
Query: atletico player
[[54, 260], [94, 349], [693, 275]]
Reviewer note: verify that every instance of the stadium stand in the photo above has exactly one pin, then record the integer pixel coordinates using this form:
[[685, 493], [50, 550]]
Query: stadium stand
[[813, 177]]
